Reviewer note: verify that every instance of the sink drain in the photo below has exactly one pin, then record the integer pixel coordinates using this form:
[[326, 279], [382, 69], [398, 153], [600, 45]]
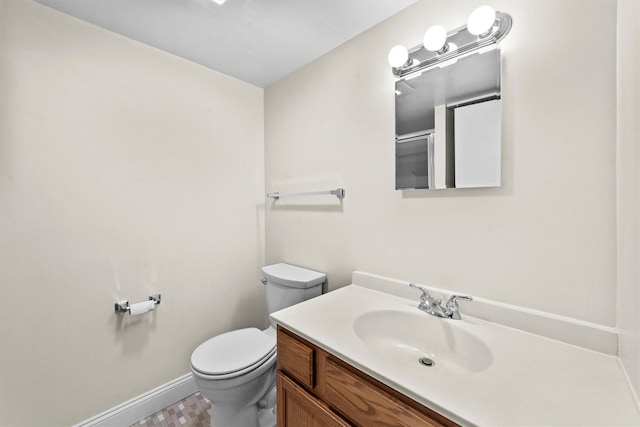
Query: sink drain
[[426, 361]]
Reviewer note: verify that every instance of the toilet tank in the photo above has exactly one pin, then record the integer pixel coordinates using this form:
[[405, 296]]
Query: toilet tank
[[286, 285]]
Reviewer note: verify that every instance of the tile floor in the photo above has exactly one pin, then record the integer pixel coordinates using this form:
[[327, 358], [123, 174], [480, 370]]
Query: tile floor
[[193, 411]]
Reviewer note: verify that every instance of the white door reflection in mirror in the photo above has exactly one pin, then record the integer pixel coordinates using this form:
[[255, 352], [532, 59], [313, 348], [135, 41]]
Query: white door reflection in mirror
[[477, 152]]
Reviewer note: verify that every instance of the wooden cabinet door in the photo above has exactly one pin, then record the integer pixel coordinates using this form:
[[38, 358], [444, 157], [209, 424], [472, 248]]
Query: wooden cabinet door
[[297, 408]]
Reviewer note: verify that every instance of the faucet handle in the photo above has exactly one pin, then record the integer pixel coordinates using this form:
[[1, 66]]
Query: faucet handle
[[452, 305], [426, 301], [425, 294], [425, 291], [425, 298], [453, 298]]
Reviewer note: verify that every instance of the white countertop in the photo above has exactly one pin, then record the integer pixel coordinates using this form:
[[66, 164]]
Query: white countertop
[[532, 380]]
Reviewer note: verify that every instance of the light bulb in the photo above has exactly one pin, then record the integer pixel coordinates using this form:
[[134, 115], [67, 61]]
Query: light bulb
[[481, 20], [398, 56], [435, 39]]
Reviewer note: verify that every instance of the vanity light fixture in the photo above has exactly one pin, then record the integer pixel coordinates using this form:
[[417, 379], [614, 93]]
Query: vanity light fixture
[[435, 39], [481, 21], [484, 30], [398, 56]]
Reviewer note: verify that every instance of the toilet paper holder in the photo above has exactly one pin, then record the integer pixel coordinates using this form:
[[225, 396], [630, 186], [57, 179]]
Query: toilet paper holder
[[123, 306]]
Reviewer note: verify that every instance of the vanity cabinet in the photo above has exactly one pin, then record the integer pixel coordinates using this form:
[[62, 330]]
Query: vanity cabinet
[[316, 388]]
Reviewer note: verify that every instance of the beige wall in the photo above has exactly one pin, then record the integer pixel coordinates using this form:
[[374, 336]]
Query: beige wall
[[126, 171], [629, 188], [546, 240], [123, 171]]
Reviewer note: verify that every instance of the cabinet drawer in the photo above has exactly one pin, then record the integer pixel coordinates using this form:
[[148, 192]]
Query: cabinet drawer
[[361, 400], [296, 358]]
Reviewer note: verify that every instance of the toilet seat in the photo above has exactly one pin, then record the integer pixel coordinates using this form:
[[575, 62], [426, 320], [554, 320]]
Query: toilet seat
[[233, 353]]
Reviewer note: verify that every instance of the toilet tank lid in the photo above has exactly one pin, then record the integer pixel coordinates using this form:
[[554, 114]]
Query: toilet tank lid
[[292, 276]]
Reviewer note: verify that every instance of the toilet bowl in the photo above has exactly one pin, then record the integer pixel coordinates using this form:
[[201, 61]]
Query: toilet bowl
[[236, 370]]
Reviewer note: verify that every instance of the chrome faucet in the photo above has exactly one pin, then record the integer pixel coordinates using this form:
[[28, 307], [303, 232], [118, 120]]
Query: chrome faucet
[[433, 306]]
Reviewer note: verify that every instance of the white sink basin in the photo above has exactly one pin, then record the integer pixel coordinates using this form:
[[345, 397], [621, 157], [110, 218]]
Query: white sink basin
[[405, 337]]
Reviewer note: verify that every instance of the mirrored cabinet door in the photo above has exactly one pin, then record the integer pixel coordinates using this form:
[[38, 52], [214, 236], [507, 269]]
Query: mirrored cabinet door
[[448, 122]]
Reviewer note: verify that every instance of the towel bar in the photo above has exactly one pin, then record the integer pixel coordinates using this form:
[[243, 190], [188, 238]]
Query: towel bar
[[339, 193]]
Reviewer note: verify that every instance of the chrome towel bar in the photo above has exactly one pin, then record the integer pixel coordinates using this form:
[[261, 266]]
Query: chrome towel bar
[[339, 193]]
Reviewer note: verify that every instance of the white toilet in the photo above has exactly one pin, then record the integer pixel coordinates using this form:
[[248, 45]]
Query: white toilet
[[236, 370]]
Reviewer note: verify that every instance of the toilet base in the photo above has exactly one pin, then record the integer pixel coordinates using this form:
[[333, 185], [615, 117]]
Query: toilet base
[[230, 417], [247, 417], [267, 417], [249, 404]]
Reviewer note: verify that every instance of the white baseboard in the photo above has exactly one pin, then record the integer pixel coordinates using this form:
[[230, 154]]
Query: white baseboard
[[589, 335], [144, 405]]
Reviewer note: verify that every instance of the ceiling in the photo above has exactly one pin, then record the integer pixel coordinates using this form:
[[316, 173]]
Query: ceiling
[[257, 41]]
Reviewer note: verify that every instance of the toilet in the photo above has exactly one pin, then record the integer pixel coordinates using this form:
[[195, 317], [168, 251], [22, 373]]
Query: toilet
[[236, 370]]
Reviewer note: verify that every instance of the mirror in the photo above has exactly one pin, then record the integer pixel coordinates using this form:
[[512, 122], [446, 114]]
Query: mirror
[[448, 121]]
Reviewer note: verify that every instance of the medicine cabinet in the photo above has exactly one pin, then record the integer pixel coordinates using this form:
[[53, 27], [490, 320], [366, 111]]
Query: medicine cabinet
[[448, 121]]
